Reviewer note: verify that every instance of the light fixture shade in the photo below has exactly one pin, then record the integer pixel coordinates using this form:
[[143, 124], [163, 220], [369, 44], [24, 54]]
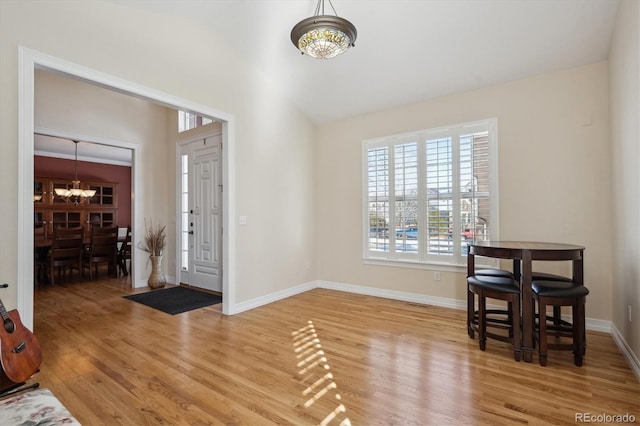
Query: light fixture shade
[[75, 194], [62, 192], [323, 36]]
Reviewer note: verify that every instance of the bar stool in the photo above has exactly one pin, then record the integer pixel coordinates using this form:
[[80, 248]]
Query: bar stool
[[558, 294], [500, 288], [544, 276], [492, 272]]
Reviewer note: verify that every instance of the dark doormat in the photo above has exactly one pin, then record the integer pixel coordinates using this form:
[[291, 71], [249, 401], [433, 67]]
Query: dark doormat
[[175, 300]]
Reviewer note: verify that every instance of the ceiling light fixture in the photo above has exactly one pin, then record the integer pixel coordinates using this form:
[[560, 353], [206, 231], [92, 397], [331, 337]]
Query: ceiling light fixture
[[323, 36], [75, 194]]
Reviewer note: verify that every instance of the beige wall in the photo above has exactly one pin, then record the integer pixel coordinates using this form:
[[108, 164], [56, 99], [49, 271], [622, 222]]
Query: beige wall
[[298, 185], [554, 178], [274, 169], [624, 69]]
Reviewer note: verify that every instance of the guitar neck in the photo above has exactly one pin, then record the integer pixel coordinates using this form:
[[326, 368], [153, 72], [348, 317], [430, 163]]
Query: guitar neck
[[3, 312]]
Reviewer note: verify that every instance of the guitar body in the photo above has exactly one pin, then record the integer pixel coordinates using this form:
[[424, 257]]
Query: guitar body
[[19, 349]]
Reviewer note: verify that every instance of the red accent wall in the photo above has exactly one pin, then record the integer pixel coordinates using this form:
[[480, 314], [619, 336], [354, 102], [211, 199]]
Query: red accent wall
[[61, 168]]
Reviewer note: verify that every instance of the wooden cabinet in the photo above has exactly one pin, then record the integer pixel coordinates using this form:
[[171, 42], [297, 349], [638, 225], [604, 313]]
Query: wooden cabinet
[[51, 211], [105, 195]]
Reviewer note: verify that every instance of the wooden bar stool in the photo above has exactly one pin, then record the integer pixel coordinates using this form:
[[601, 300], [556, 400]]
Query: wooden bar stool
[[500, 288], [544, 276], [491, 272], [558, 294]]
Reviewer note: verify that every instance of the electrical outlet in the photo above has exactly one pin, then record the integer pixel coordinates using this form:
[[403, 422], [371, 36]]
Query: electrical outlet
[[436, 276], [629, 312]]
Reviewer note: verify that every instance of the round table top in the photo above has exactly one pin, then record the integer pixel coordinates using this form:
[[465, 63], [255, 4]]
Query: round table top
[[526, 245]]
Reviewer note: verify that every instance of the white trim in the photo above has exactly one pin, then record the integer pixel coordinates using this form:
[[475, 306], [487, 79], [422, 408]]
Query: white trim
[[430, 266], [229, 211], [394, 294], [273, 297], [24, 290], [592, 324], [444, 302], [626, 350], [28, 61]]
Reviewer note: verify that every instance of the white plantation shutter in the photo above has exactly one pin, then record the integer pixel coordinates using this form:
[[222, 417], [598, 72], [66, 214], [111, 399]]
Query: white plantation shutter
[[439, 195], [405, 203], [475, 187], [428, 193], [378, 198]]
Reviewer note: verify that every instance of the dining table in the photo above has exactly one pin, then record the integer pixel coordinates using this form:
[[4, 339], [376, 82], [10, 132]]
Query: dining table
[[523, 253], [46, 243], [42, 245]]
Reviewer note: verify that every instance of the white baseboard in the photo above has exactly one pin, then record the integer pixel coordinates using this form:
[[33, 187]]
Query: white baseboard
[[626, 350], [270, 298], [393, 294], [591, 323]]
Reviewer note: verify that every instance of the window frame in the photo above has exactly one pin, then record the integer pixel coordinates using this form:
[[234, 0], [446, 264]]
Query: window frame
[[189, 121], [422, 259]]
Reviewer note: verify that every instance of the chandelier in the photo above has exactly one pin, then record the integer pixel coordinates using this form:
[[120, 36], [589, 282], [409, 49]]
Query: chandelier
[[323, 36], [75, 195]]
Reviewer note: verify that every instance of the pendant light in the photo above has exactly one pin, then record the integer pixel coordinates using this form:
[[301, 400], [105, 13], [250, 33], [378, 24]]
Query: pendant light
[[75, 195], [323, 36]]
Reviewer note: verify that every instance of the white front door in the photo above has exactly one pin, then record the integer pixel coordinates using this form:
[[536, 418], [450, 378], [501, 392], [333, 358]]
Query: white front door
[[201, 214]]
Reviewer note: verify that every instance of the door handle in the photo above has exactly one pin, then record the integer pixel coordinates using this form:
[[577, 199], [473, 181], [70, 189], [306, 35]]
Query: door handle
[[190, 232]]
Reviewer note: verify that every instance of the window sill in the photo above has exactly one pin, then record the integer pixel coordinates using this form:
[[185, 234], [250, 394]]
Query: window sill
[[432, 266]]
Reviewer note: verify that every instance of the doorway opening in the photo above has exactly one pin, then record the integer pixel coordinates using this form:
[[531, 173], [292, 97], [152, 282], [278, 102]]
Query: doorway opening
[[30, 60], [101, 166]]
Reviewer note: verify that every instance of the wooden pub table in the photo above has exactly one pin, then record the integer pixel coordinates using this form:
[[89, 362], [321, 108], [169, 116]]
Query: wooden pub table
[[523, 253]]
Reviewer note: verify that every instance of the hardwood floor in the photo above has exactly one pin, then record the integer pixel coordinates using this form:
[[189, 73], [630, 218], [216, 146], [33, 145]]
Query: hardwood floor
[[322, 357]]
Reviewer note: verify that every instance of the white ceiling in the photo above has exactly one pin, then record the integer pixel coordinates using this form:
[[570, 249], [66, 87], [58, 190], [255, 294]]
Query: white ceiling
[[406, 50]]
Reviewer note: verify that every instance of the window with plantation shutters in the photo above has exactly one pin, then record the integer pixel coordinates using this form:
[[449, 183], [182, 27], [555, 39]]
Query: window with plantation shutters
[[428, 193]]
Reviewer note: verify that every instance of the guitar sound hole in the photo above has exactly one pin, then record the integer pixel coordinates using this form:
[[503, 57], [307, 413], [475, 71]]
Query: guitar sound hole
[[9, 326]]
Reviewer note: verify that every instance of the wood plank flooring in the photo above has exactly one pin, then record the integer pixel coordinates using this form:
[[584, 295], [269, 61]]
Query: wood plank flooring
[[322, 357]]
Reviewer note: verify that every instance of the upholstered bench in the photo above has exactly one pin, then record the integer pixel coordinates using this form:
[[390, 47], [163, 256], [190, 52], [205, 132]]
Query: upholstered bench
[[35, 407]]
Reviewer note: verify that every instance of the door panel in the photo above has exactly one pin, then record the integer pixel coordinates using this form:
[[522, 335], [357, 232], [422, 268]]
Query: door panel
[[205, 214]]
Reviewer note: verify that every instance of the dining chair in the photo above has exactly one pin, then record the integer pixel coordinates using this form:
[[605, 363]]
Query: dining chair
[[103, 248], [124, 254], [488, 322], [66, 251], [39, 254], [558, 294]]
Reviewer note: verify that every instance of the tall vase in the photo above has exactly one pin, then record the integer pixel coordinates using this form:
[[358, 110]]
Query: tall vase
[[156, 278]]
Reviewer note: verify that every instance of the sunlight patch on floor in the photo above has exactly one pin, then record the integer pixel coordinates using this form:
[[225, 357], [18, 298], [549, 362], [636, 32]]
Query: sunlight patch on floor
[[314, 369]]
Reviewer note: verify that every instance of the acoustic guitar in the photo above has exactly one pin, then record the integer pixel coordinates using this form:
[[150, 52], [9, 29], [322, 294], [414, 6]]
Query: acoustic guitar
[[19, 349]]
